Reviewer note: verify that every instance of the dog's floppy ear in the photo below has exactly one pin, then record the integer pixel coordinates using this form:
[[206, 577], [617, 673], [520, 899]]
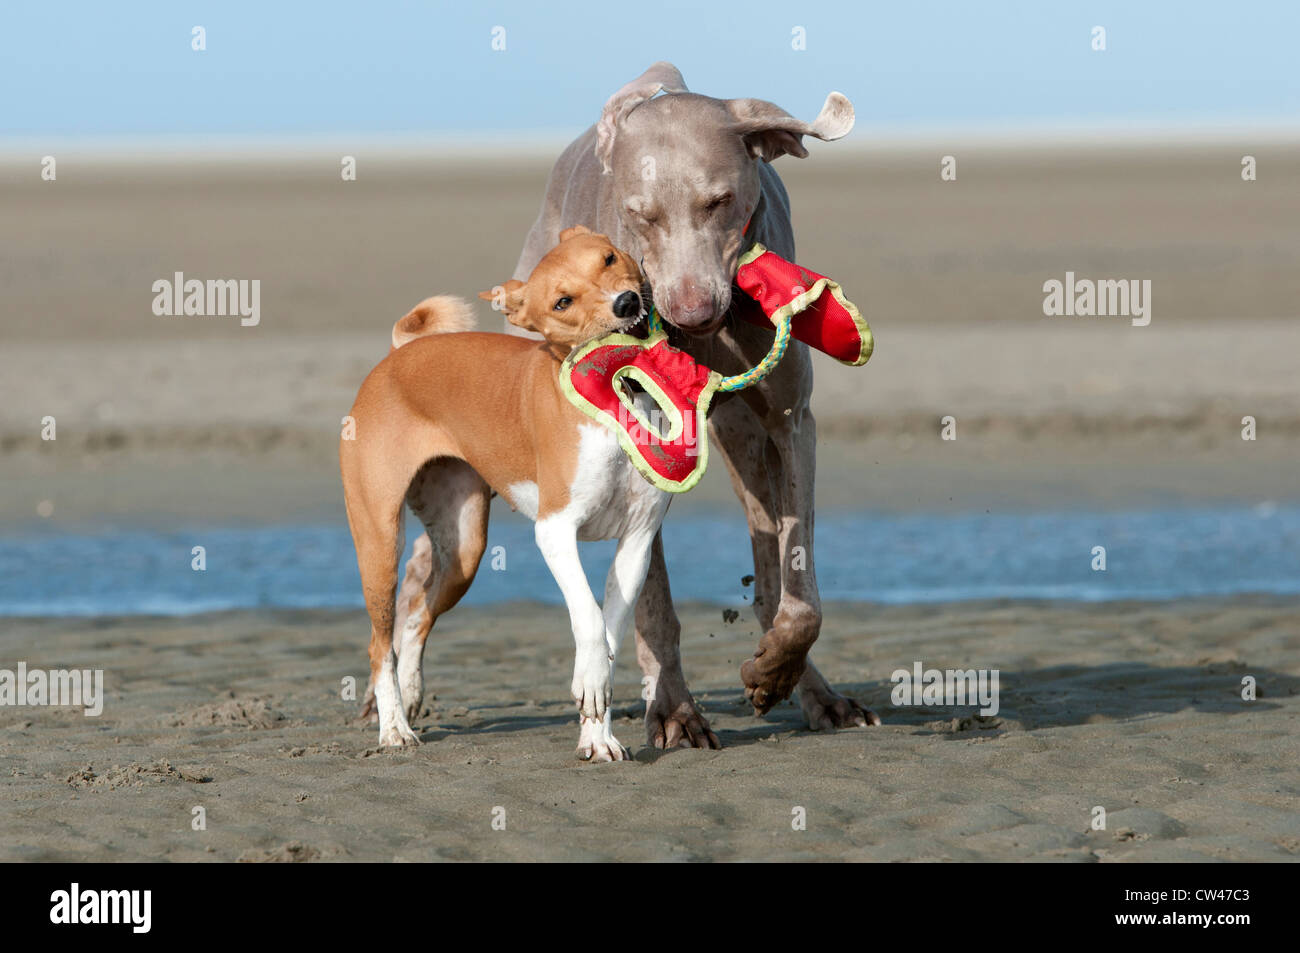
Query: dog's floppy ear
[[507, 298], [770, 132], [660, 77], [574, 230]]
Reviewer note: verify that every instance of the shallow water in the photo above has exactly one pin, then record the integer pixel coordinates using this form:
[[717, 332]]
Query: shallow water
[[878, 557]]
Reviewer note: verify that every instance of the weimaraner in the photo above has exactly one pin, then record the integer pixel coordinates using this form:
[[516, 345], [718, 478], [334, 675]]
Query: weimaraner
[[673, 179]]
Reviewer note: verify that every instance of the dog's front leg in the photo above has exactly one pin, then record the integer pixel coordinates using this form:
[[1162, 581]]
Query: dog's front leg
[[772, 471], [557, 538], [799, 613], [781, 657], [627, 573], [672, 719]]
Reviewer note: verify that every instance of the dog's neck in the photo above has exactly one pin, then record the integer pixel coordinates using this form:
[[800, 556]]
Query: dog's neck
[[557, 351]]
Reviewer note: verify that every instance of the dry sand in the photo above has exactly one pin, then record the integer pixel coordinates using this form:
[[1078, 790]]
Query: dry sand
[[154, 430], [168, 417], [1135, 708]]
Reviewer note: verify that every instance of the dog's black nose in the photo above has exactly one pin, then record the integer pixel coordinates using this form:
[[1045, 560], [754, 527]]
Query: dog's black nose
[[627, 304]]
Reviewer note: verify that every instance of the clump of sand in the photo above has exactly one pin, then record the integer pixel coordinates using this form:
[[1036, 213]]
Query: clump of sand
[[291, 853], [251, 713], [132, 775]]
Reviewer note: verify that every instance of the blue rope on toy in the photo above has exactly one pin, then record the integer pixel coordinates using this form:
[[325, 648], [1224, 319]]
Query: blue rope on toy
[[756, 373]]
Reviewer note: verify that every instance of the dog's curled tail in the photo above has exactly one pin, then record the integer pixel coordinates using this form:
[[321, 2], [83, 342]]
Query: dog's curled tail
[[441, 314]]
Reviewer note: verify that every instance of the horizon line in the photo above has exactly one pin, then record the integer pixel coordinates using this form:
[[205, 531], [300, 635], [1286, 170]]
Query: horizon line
[[536, 144]]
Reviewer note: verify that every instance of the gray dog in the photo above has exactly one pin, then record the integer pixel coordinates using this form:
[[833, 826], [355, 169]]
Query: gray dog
[[673, 179]]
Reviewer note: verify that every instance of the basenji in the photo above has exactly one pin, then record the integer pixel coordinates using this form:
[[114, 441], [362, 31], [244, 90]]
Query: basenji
[[451, 417]]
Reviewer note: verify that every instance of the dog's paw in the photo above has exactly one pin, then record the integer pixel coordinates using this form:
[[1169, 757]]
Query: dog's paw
[[596, 742], [828, 710], [673, 720], [398, 736], [592, 688], [770, 677]]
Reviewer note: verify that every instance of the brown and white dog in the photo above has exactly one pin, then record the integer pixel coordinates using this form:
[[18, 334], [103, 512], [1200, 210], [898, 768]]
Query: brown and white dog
[[447, 419]]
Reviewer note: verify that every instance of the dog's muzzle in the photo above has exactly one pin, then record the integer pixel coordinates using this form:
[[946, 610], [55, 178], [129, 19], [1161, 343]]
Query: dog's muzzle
[[627, 304]]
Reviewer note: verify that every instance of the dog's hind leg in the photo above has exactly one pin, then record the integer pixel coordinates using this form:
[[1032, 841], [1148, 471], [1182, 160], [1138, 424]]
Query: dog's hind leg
[[410, 603], [377, 532], [452, 502], [672, 718]]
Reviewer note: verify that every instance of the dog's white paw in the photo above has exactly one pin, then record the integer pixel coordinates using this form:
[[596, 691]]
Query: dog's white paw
[[592, 687], [596, 742], [397, 736]]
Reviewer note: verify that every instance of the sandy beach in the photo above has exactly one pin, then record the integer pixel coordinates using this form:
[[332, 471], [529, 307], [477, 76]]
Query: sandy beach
[[1133, 707]]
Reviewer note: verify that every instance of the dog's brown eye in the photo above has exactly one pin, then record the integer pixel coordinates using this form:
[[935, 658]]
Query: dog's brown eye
[[563, 303], [719, 202], [609, 259]]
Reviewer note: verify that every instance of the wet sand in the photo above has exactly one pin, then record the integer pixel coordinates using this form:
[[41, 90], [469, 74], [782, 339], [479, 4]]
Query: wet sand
[[1133, 708]]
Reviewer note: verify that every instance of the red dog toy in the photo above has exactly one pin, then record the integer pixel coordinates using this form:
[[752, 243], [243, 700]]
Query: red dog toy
[[671, 450]]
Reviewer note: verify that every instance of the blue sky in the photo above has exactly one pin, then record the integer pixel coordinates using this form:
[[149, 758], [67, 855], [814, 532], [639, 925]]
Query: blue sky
[[93, 68]]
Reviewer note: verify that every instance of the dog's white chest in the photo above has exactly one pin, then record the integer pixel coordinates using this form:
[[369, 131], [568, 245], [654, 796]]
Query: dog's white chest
[[608, 498]]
